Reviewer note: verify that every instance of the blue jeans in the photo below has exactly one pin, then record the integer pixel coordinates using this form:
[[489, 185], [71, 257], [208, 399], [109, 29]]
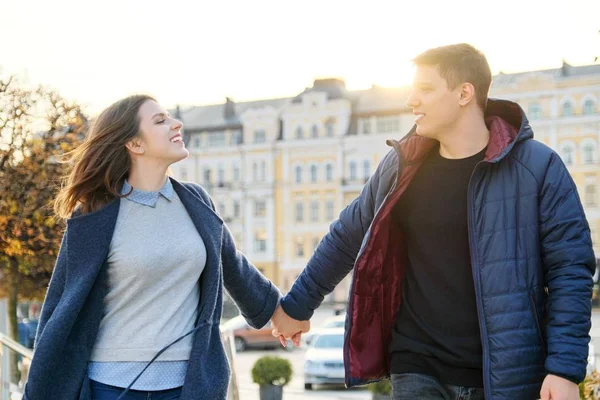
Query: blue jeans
[[100, 391], [424, 387]]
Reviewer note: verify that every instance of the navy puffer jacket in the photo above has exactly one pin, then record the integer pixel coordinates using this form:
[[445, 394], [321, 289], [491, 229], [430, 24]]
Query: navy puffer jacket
[[531, 254]]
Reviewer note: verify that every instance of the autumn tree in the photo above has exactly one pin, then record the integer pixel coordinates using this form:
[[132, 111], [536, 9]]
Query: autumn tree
[[37, 128]]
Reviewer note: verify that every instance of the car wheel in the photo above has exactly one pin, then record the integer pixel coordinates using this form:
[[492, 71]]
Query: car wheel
[[308, 386], [240, 344]]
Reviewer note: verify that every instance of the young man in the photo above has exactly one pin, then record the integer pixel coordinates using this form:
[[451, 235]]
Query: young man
[[471, 253]]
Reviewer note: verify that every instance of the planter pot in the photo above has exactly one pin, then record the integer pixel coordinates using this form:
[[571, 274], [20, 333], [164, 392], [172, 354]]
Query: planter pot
[[377, 396], [271, 392]]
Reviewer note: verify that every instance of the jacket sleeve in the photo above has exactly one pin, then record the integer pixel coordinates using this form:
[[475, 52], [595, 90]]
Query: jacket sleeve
[[254, 294], [336, 253], [569, 264], [55, 289]]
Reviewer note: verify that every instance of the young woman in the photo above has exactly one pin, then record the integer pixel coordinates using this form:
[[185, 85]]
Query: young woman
[[134, 303]]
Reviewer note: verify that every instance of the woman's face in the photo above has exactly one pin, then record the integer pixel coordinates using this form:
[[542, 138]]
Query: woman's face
[[160, 138]]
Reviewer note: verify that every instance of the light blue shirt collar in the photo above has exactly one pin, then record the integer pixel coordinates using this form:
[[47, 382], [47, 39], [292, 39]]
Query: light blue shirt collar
[[148, 198]]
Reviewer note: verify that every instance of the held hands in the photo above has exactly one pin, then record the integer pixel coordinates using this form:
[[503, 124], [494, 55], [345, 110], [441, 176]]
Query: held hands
[[557, 388], [286, 327]]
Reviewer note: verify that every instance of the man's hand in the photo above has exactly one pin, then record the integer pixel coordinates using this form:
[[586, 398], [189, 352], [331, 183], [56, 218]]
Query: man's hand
[[557, 388], [286, 327]]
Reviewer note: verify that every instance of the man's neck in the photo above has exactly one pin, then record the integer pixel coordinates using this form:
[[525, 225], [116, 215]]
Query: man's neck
[[467, 138]]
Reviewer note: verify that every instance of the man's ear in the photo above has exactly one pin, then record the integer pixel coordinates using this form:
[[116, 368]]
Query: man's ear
[[467, 94], [135, 147]]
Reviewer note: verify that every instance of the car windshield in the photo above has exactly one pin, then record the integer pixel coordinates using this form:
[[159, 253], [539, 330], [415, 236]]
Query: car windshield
[[329, 342]]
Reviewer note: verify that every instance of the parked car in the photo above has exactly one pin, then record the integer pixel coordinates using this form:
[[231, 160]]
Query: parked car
[[337, 321], [247, 337], [324, 359]]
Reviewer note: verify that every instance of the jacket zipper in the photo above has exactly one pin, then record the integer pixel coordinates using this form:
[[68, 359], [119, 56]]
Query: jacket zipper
[[477, 281], [537, 323]]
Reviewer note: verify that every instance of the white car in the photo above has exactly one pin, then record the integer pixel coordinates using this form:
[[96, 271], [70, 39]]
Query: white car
[[337, 321], [324, 359]]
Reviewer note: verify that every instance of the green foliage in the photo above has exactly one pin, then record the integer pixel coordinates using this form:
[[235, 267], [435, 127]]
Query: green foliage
[[269, 370], [381, 387]]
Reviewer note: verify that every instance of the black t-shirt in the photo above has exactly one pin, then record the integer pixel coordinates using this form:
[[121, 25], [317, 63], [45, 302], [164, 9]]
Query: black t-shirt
[[437, 328]]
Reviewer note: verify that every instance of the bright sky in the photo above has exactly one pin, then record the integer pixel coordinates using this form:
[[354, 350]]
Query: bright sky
[[197, 52]]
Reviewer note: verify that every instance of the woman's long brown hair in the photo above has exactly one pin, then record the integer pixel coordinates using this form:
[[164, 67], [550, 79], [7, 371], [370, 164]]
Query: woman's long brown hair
[[101, 163]]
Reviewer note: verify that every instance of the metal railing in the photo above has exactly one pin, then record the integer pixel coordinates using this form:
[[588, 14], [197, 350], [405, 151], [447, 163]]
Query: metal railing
[[13, 390]]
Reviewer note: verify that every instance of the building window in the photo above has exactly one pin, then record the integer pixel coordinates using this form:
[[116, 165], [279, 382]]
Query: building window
[[329, 172], [259, 136], [260, 243], [590, 195], [216, 139], [388, 124], [315, 131], [353, 171], [184, 173], [535, 111], [196, 142], [221, 174], [236, 137], [207, 175], [299, 133], [236, 209], [314, 211], [298, 174], [588, 107], [568, 154], [236, 173], [588, 151], [567, 109], [221, 208], [255, 172], [263, 171], [313, 173], [329, 126], [367, 169], [260, 208], [329, 206], [299, 249], [366, 125], [299, 212]]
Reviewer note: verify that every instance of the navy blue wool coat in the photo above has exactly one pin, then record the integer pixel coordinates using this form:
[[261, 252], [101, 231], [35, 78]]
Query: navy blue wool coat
[[73, 306]]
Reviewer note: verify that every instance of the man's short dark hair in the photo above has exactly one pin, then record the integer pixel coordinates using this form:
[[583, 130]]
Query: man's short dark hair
[[459, 63]]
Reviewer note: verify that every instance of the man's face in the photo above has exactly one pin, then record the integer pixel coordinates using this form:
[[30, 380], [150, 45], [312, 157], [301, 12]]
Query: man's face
[[435, 106]]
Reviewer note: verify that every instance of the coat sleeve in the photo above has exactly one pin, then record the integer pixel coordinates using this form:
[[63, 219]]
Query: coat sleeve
[[569, 264], [55, 289], [336, 254], [254, 294]]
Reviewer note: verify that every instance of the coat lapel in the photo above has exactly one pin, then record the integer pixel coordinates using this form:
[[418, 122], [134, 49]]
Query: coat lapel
[[210, 227]]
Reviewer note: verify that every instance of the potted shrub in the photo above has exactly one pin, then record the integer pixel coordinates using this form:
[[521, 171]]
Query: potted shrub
[[271, 374], [381, 390]]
